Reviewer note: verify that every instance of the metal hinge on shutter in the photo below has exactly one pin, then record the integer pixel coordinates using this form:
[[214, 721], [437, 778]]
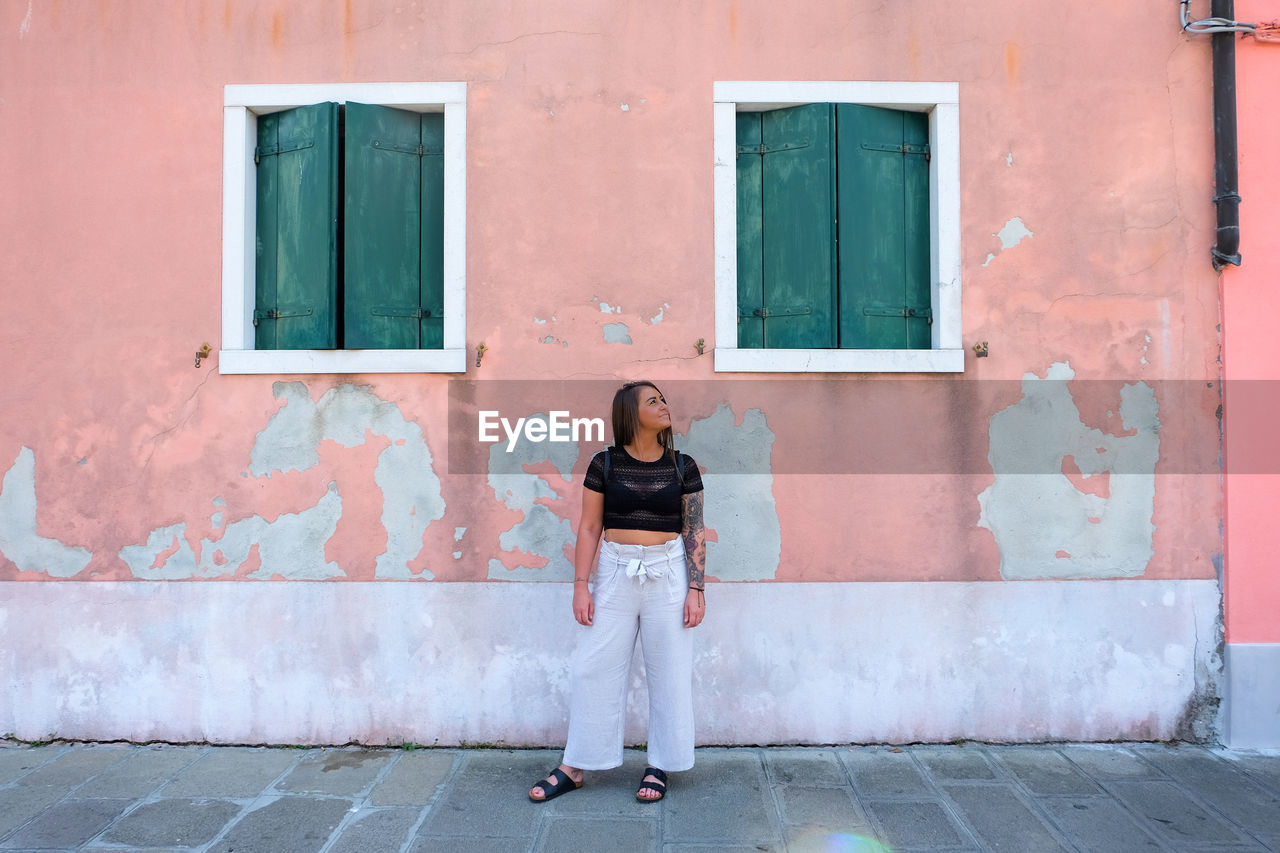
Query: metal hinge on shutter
[[415, 313], [280, 313], [902, 148], [765, 313], [280, 148], [419, 150], [770, 149], [907, 311]]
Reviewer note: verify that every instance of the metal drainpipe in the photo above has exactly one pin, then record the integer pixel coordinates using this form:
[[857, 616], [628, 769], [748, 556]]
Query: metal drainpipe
[[1225, 171]]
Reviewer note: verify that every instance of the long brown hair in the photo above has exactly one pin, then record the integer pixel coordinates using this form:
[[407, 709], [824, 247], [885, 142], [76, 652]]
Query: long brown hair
[[626, 416]]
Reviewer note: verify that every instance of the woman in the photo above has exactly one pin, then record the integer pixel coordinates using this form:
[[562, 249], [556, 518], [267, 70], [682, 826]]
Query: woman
[[647, 499]]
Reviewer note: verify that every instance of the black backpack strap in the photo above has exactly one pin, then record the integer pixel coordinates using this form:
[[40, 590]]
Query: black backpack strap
[[607, 454], [680, 469]]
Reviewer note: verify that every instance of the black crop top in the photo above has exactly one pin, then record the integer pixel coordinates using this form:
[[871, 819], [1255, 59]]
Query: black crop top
[[642, 495]]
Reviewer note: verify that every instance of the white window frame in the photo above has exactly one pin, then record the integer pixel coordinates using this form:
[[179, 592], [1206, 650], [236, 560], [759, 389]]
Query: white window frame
[[242, 105], [942, 102]]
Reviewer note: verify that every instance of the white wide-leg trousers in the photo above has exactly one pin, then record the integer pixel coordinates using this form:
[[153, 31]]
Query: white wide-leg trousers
[[639, 591]]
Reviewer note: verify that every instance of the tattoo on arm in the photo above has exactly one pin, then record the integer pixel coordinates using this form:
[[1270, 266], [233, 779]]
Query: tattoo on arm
[[694, 535]]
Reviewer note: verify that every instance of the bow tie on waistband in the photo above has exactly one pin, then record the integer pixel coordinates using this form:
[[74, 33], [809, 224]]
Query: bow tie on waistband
[[637, 568]]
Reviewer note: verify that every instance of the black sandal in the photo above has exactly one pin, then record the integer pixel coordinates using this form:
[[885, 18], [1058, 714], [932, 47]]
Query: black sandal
[[660, 786], [563, 785]]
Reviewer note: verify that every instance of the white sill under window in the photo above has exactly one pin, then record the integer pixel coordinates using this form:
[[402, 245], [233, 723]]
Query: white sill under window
[[242, 106], [942, 102]]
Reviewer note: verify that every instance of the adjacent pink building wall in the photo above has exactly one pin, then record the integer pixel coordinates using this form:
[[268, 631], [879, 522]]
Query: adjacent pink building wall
[[1085, 170], [1251, 365]]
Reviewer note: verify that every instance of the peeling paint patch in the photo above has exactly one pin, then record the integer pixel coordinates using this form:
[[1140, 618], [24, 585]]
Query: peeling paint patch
[[606, 308], [541, 533], [626, 107], [1049, 516], [25, 26], [616, 333], [458, 533], [1013, 233], [291, 547], [19, 540], [1008, 159], [739, 505], [657, 318], [347, 414]]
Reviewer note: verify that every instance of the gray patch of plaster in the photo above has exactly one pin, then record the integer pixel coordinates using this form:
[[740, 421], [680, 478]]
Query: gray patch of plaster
[[458, 533], [292, 547], [1040, 520], [19, 540], [541, 532], [739, 504], [616, 333], [657, 318], [411, 494], [539, 322], [1008, 159], [457, 555], [606, 308], [1013, 233]]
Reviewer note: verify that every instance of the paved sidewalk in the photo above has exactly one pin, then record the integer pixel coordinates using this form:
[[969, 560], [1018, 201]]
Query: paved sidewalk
[[1115, 797]]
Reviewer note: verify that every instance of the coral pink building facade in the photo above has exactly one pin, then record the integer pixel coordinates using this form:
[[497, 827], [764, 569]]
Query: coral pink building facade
[[1251, 364], [1010, 532]]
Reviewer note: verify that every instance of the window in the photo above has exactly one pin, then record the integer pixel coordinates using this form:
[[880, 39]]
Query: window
[[344, 229], [837, 227]]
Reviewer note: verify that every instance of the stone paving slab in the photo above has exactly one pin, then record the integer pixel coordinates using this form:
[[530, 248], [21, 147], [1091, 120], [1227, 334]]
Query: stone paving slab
[[1045, 772], [232, 772], [377, 829], [287, 825], [173, 823], [414, 780], [141, 772], [1002, 821], [336, 772], [885, 772], [1109, 798], [917, 824], [1100, 825], [67, 824]]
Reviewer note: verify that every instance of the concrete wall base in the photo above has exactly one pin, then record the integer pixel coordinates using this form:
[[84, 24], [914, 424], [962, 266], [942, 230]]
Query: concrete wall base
[[451, 663], [1251, 700]]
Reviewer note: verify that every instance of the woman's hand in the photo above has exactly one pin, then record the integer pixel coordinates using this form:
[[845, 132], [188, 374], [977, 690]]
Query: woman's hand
[[695, 607], [584, 609]]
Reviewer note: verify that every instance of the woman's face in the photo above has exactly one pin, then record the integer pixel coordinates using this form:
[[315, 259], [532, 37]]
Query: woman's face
[[653, 412]]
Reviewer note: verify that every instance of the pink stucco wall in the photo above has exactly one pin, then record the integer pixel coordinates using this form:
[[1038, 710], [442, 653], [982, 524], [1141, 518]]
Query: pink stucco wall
[[887, 607], [589, 181], [1250, 302]]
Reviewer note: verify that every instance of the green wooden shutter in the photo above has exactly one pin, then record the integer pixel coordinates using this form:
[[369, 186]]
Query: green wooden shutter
[[750, 232], [394, 228], [787, 264], [798, 178], [297, 213], [883, 187]]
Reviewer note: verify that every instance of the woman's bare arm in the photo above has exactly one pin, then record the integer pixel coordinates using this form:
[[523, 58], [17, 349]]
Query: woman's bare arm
[[695, 555], [693, 534], [590, 525]]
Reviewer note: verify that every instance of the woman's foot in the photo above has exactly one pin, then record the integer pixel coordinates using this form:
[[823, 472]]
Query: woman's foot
[[561, 781], [653, 786]]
